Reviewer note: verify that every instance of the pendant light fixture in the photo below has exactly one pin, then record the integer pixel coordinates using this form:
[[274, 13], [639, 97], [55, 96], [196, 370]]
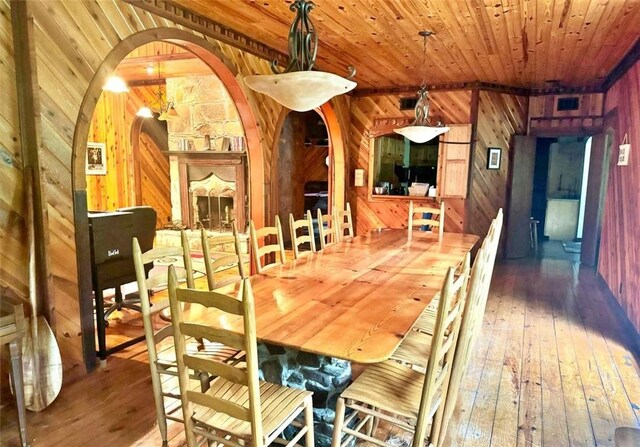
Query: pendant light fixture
[[298, 87], [115, 84], [421, 130], [161, 106]]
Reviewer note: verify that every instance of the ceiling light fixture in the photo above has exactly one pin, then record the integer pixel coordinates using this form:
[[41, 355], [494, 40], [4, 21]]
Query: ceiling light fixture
[[115, 84], [421, 130], [298, 87], [161, 106]]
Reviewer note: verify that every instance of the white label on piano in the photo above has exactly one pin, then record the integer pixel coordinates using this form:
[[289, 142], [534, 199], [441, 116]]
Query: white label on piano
[[113, 252]]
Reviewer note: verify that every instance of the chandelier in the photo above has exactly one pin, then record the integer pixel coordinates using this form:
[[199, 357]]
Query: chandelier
[[160, 106], [422, 130], [298, 87]]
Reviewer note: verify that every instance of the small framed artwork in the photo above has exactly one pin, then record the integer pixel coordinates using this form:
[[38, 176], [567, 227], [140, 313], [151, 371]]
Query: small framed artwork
[[494, 158], [96, 159]]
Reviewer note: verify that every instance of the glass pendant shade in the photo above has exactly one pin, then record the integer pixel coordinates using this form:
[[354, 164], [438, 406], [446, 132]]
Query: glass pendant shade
[[115, 84], [300, 90], [421, 134], [298, 87]]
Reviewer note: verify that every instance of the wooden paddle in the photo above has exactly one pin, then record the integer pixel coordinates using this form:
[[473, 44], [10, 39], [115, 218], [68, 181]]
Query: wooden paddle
[[41, 361]]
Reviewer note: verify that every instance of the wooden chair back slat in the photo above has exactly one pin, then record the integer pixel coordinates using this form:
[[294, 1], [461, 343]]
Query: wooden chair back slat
[[432, 222], [296, 240], [210, 299], [276, 249], [214, 369], [214, 335], [232, 409]]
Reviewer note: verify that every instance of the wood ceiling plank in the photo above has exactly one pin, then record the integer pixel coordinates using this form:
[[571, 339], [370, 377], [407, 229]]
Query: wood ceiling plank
[[522, 43]]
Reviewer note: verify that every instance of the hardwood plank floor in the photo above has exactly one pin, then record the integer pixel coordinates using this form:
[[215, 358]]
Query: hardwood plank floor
[[556, 365]]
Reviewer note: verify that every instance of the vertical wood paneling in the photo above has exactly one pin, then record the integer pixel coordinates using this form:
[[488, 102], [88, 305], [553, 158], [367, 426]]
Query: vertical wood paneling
[[13, 251], [72, 39], [111, 124], [619, 262], [452, 107], [155, 181], [500, 116]]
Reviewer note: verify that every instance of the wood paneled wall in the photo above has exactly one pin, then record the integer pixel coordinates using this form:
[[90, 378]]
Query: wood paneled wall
[[13, 249], [111, 124], [72, 39], [453, 107], [619, 262], [500, 116], [155, 182], [545, 106]]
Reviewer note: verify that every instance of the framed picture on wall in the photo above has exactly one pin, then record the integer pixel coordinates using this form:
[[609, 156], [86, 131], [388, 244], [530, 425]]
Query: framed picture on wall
[[494, 157], [96, 159]]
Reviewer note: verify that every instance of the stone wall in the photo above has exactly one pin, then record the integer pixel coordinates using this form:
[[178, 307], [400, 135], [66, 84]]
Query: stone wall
[[325, 376], [204, 108]]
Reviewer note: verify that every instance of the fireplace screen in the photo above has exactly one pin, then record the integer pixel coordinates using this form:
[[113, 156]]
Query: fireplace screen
[[213, 197]]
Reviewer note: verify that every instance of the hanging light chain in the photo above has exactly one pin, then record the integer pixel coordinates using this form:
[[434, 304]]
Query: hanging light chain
[[303, 41], [422, 106]]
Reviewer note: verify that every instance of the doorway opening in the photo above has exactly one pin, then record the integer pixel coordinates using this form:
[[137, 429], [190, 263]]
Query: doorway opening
[[302, 174], [569, 183], [561, 169], [184, 48], [557, 187], [307, 166]]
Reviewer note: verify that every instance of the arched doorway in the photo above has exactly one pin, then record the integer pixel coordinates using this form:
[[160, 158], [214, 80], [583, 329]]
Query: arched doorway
[[224, 70], [336, 160]]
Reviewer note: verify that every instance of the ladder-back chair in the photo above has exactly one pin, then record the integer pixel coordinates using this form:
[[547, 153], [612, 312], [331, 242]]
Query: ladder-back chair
[[400, 395], [304, 225], [237, 409], [267, 249], [222, 253], [412, 348], [471, 324], [328, 235], [158, 337], [344, 223], [436, 221]]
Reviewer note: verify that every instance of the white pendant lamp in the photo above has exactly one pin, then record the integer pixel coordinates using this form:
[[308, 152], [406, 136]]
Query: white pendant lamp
[[421, 130], [298, 87]]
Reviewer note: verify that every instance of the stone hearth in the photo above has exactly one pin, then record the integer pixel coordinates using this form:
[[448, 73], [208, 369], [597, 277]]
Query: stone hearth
[[327, 377]]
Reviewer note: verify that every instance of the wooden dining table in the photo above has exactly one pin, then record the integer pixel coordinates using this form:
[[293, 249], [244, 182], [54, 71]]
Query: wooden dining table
[[355, 300], [352, 302]]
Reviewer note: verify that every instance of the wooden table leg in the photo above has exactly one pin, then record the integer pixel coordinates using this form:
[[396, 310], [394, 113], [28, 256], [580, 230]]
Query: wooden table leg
[[18, 388]]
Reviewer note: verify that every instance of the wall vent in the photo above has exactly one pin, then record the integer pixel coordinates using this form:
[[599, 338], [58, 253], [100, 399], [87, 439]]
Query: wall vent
[[570, 103], [408, 103]]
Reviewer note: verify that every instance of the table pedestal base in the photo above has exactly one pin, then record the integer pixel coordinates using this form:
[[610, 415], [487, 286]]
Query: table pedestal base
[[327, 377]]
